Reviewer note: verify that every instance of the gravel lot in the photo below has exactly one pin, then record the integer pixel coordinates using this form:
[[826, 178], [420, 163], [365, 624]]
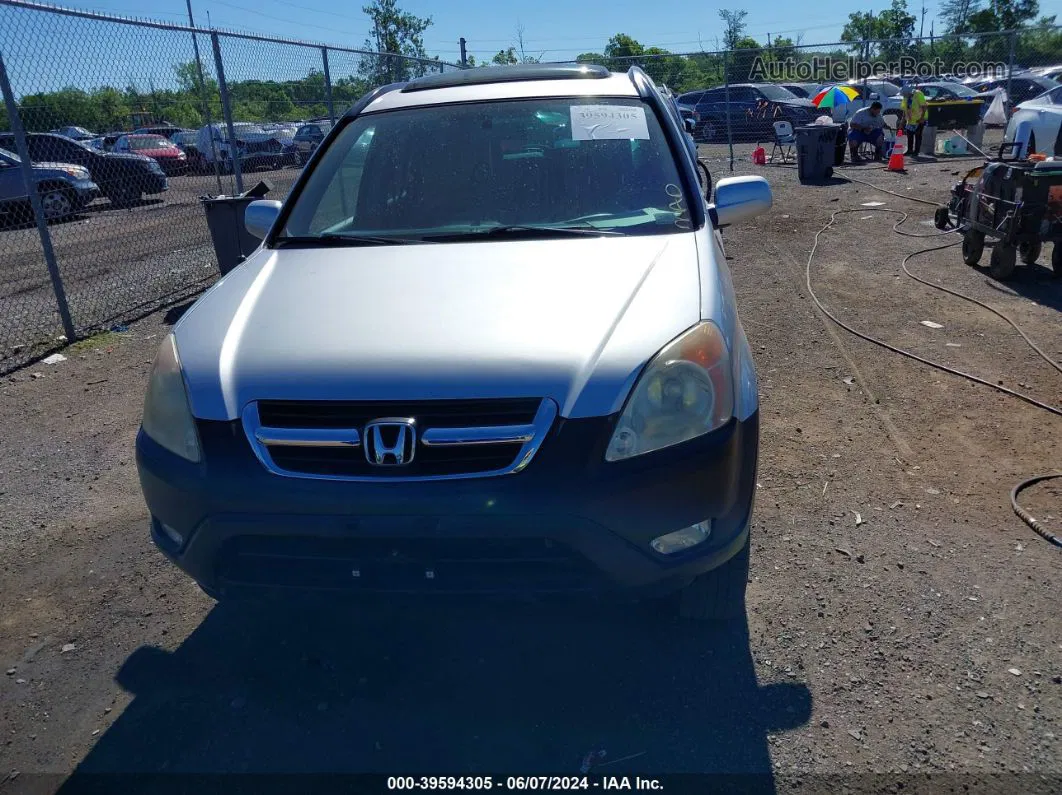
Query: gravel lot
[[901, 621], [113, 261]]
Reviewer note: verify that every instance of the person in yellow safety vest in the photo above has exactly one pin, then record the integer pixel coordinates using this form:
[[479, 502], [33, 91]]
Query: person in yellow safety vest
[[913, 115]]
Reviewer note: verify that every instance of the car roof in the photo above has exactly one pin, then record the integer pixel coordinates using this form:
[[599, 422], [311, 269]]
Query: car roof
[[506, 82]]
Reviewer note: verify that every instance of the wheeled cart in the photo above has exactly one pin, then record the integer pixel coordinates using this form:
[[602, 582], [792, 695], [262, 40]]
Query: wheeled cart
[[1015, 204]]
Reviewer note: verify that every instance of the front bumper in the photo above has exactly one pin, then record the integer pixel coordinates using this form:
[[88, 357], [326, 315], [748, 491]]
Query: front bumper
[[570, 522], [86, 191], [154, 183]]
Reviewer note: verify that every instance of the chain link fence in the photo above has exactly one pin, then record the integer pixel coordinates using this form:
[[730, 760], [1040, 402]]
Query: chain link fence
[[121, 126]]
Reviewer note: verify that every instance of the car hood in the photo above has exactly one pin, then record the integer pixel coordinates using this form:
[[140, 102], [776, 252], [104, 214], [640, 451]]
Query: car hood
[[796, 102], [128, 156], [574, 320], [56, 166]]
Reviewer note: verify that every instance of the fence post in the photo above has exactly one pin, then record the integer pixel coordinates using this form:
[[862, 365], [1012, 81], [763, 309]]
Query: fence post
[[226, 110], [726, 88], [1010, 67], [328, 86], [203, 95], [35, 201]]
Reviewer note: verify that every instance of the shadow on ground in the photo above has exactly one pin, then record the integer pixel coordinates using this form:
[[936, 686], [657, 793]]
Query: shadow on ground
[[485, 689], [1036, 282]]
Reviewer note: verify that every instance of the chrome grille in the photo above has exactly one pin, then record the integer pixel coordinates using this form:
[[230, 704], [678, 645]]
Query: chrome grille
[[454, 438]]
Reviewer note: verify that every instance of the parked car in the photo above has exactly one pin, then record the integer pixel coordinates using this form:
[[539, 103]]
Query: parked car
[[802, 90], [122, 178], [103, 143], [254, 146], [186, 141], [74, 133], [1021, 89], [752, 110], [1037, 123], [165, 130], [539, 384], [64, 189], [160, 149], [307, 138]]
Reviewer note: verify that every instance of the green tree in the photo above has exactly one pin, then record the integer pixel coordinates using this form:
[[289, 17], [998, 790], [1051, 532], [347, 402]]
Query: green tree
[[398, 32], [1004, 15], [956, 14], [745, 52], [505, 57], [864, 28], [735, 27]]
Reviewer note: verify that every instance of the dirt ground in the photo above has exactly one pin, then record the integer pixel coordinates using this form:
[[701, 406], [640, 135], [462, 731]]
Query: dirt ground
[[903, 632]]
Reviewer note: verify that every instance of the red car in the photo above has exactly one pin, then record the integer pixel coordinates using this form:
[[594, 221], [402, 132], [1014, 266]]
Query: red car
[[161, 149]]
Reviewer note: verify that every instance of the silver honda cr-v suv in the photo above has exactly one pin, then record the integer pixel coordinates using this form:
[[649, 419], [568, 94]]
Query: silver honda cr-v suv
[[489, 345]]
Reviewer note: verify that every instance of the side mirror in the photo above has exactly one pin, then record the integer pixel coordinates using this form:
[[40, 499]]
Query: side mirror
[[691, 125], [739, 199], [259, 216]]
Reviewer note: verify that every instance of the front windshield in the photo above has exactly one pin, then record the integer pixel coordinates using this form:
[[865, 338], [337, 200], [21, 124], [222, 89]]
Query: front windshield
[[460, 170], [776, 93], [150, 142], [960, 90]]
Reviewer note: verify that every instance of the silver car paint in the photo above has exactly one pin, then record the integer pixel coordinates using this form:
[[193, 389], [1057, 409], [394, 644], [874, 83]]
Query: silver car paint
[[571, 319]]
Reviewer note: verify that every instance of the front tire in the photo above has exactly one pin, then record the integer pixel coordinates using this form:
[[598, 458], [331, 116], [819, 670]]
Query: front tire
[[973, 246], [1029, 251], [718, 595], [1004, 258], [1056, 260], [57, 204]]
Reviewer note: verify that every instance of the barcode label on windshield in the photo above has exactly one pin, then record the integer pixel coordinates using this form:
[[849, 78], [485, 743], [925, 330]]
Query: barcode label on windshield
[[608, 123]]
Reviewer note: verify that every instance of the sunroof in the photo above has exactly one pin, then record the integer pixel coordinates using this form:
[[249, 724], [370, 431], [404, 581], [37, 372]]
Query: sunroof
[[507, 74]]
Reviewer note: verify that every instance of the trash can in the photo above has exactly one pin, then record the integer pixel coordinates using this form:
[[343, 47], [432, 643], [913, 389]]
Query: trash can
[[842, 144], [232, 241], [816, 147]]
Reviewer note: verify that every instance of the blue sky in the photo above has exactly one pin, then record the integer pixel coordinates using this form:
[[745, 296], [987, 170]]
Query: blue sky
[[557, 29], [47, 51]]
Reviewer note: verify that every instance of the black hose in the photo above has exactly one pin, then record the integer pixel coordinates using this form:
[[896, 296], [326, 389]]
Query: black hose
[[1027, 517], [1021, 512]]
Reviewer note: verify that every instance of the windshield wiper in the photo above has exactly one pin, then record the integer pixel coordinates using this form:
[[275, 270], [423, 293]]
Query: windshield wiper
[[527, 230], [337, 240]]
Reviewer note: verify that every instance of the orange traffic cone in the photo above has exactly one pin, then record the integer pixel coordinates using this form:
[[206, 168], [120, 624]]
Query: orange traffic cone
[[898, 149]]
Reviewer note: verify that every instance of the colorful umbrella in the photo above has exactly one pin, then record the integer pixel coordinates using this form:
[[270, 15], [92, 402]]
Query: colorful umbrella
[[834, 95]]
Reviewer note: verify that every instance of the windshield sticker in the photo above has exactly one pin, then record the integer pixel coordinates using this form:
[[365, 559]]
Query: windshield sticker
[[609, 123]]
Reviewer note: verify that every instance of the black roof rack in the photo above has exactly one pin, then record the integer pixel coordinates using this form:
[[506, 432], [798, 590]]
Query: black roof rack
[[507, 74]]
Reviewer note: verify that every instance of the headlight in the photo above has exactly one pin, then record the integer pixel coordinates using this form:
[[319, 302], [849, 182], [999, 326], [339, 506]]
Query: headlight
[[77, 172], [154, 166], [686, 391], [167, 414]]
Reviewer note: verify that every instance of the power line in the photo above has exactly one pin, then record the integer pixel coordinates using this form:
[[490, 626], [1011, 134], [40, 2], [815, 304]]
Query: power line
[[329, 28]]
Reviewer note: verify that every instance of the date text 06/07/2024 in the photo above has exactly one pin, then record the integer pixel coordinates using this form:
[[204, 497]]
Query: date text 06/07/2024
[[524, 783]]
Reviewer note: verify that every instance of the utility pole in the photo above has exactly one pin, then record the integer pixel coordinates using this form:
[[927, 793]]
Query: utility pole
[[922, 27], [464, 53]]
